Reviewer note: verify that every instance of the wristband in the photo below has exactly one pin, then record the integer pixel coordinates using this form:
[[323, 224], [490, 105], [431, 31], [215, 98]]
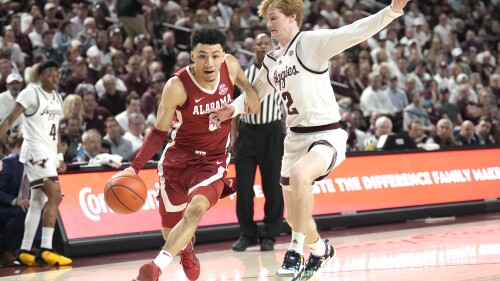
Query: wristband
[[60, 156]]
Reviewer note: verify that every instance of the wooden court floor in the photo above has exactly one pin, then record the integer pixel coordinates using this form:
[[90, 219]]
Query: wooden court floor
[[462, 248]]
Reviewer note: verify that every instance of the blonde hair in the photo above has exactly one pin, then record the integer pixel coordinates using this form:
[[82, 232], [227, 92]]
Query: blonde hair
[[67, 106], [287, 7]]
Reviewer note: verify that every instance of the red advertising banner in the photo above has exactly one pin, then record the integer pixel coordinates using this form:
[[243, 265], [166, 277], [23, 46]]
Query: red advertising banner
[[360, 183]]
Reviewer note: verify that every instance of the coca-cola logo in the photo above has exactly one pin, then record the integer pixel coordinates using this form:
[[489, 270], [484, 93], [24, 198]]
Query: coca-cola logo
[[93, 204]]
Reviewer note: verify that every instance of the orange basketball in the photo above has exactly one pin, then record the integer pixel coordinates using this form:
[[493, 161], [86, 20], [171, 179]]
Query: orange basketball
[[125, 193]]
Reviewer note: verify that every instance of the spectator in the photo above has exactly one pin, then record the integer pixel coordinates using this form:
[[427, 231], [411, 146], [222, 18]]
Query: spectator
[[396, 95], [456, 54], [132, 104], [21, 37], [47, 49], [449, 110], [81, 13], [113, 100], [94, 115], [134, 134], [36, 34], [466, 134], [116, 42], [119, 84], [50, 10], [72, 107], [8, 44], [91, 141], [383, 126], [66, 68], [468, 109], [74, 135], [129, 14], [444, 134], [415, 111], [119, 145], [483, 131], [373, 99], [133, 80], [94, 65], [416, 133], [156, 89], [62, 39], [442, 75], [79, 75], [8, 98], [494, 88], [356, 137], [102, 44], [168, 53]]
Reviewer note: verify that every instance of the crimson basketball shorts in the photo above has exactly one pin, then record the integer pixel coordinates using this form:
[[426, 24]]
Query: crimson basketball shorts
[[184, 174]]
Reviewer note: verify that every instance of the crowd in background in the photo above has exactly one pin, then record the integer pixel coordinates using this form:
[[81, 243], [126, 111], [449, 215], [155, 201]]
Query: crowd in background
[[433, 74]]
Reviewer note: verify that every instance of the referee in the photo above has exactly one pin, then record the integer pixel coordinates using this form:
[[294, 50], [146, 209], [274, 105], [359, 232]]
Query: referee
[[257, 139]]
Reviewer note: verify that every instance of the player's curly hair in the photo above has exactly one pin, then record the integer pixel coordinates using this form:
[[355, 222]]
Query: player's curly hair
[[209, 36], [287, 7]]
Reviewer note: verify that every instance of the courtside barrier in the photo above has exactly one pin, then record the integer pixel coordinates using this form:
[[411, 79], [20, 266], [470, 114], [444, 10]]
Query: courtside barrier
[[364, 189]]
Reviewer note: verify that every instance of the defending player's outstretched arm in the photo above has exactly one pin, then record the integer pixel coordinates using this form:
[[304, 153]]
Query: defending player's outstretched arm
[[251, 102]]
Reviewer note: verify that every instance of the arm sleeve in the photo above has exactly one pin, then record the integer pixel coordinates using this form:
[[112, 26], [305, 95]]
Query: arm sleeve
[[152, 143], [320, 45]]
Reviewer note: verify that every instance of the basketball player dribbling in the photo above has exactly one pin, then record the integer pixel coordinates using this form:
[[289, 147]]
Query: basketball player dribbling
[[193, 166], [315, 143], [42, 109]]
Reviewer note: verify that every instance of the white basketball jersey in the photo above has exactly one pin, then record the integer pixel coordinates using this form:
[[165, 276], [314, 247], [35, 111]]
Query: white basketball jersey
[[307, 94], [40, 120]]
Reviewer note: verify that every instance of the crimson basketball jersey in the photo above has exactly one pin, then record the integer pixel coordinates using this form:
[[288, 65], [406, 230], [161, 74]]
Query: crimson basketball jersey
[[192, 130]]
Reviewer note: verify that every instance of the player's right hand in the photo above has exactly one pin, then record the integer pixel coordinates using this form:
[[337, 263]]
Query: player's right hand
[[129, 170]]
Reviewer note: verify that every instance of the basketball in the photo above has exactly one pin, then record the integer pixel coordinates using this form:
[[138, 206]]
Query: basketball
[[125, 193]]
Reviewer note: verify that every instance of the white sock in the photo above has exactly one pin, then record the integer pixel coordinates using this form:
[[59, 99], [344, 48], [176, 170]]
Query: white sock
[[37, 202], [47, 235], [297, 243], [318, 248], [163, 259]]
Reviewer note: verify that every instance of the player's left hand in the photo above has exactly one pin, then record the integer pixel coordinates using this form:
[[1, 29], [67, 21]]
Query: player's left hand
[[1, 165], [218, 115], [62, 167], [398, 5]]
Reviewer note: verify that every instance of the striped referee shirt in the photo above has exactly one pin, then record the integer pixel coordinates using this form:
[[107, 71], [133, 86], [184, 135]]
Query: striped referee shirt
[[271, 108]]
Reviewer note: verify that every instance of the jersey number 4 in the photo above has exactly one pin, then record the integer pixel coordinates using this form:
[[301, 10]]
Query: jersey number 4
[[287, 97], [53, 132]]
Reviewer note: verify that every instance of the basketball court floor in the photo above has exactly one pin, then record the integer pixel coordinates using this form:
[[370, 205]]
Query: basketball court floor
[[462, 248]]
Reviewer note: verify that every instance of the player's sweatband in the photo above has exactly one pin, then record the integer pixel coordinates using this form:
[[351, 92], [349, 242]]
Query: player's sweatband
[[152, 143], [60, 156], [239, 105]]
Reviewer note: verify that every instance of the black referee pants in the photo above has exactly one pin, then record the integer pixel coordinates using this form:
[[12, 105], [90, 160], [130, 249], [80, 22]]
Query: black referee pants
[[260, 145]]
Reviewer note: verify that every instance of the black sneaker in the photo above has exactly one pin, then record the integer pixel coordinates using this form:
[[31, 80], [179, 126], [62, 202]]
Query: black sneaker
[[266, 244], [293, 265], [315, 263], [243, 243]]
